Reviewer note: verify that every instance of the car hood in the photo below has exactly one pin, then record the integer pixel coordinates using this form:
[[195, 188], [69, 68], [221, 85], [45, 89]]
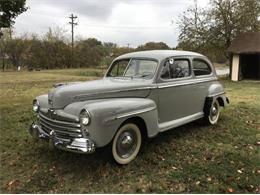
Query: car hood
[[65, 93]]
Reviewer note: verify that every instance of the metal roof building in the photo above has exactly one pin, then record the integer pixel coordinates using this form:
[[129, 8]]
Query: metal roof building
[[245, 53]]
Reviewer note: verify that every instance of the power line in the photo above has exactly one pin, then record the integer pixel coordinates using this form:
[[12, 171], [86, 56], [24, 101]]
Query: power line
[[73, 24]]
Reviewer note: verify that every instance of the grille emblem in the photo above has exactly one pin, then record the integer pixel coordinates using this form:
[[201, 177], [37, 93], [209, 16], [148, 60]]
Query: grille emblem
[[51, 113], [50, 102]]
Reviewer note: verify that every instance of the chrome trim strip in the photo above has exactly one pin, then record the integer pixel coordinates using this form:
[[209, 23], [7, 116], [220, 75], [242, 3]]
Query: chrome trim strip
[[135, 112], [66, 133], [62, 116], [60, 122], [217, 94], [178, 122], [176, 79], [192, 82], [66, 129], [113, 91]]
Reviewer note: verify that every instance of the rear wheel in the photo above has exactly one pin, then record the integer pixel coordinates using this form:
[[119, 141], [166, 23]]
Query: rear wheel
[[127, 143], [214, 112]]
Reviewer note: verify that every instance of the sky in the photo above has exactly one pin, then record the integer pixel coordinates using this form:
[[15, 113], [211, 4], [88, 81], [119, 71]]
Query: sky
[[123, 22]]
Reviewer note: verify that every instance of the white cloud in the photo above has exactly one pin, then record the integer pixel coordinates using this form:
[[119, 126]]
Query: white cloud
[[135, 22]]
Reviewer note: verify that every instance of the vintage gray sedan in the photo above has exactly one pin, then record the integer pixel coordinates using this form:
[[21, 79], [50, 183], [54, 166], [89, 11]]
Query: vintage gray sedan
[[142, 94]]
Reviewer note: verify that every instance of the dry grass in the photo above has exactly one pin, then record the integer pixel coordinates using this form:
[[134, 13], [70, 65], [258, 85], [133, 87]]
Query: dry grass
[[193, 158]]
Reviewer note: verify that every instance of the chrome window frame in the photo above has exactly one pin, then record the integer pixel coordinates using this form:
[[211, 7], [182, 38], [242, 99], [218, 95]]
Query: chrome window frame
[[112, 66], [160, 80], [135, 58], [207, 63]]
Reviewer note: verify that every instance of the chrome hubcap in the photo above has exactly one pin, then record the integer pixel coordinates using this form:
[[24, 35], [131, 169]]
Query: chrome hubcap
[[214, 112], [126, 143]]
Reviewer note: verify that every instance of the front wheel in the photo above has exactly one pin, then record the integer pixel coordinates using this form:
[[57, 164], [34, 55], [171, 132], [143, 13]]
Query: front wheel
[[127, 143], [214, 113]]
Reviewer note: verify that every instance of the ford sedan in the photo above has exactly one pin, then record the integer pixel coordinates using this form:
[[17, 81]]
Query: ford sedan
[[142, 94]]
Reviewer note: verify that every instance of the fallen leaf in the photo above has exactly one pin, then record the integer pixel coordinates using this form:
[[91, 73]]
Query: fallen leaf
[[209, 179], [161, 157], [12, 184], [230, 190], [35, 166], [52, 168], [174, 168], [239, 171], [198, 183]]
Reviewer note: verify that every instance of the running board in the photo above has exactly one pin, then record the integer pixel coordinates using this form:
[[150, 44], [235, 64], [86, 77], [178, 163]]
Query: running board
[[178, 122]]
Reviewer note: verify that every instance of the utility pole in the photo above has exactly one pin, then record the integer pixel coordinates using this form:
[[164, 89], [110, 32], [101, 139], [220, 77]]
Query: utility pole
[[196, 14], [10, 32], [3, 59], [128, 46], [72, 17]]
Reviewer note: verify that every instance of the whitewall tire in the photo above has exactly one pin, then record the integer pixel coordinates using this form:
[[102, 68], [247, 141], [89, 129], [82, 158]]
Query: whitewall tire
[[214, 113], [127, 143]]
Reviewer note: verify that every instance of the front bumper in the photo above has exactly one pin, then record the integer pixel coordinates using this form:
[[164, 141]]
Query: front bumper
[[78, 145]]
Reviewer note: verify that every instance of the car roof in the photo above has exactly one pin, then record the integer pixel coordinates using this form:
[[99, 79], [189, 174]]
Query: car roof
[[158, 54]]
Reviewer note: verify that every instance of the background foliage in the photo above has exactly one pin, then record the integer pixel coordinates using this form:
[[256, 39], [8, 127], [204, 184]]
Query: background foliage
[[53, 51], [211, 30], [10, 9]]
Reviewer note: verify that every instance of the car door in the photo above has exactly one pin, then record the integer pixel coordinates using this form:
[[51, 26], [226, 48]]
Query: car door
[[174, 89]]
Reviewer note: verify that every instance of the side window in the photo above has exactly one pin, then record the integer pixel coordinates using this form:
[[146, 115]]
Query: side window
[[200, 68], [118, 68], [178, 68]]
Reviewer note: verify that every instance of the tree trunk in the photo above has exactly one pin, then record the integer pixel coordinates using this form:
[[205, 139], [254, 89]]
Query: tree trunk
[[3, 59]]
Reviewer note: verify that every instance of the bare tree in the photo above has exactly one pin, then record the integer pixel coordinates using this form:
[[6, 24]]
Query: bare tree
[[212, 30]]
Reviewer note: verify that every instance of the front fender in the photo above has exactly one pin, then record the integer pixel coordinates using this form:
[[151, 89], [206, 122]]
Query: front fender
[[108, 114], [43, 100]]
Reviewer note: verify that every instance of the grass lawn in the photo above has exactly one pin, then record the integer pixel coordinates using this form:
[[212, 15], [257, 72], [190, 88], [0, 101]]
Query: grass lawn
[[192, 158]]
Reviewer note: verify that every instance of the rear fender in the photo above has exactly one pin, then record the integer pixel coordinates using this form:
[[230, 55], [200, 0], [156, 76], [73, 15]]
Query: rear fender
[[215, 92]]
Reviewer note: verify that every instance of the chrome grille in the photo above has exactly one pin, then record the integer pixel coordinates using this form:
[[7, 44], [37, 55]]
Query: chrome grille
[[61, 128]]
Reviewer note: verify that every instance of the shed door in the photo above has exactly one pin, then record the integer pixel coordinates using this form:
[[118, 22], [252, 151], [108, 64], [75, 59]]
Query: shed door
[[250, 66]]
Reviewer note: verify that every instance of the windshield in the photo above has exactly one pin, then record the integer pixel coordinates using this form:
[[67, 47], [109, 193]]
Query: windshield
[[137, 68]]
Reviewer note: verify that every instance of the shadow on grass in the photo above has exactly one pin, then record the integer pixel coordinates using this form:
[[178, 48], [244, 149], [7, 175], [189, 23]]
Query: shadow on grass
[[52, 167], [103, 156]]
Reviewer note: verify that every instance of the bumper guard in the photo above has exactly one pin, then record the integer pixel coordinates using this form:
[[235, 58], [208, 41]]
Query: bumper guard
[[78, 145]]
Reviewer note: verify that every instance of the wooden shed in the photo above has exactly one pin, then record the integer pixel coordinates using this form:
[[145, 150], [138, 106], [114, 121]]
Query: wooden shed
[[245, 56]]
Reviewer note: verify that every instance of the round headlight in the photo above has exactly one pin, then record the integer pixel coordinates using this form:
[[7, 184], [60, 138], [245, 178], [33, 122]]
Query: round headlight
[[84, 118], [36, 105]]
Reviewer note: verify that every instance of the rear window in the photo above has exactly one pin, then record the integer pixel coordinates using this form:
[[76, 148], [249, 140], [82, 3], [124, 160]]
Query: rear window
[[200, 67]]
